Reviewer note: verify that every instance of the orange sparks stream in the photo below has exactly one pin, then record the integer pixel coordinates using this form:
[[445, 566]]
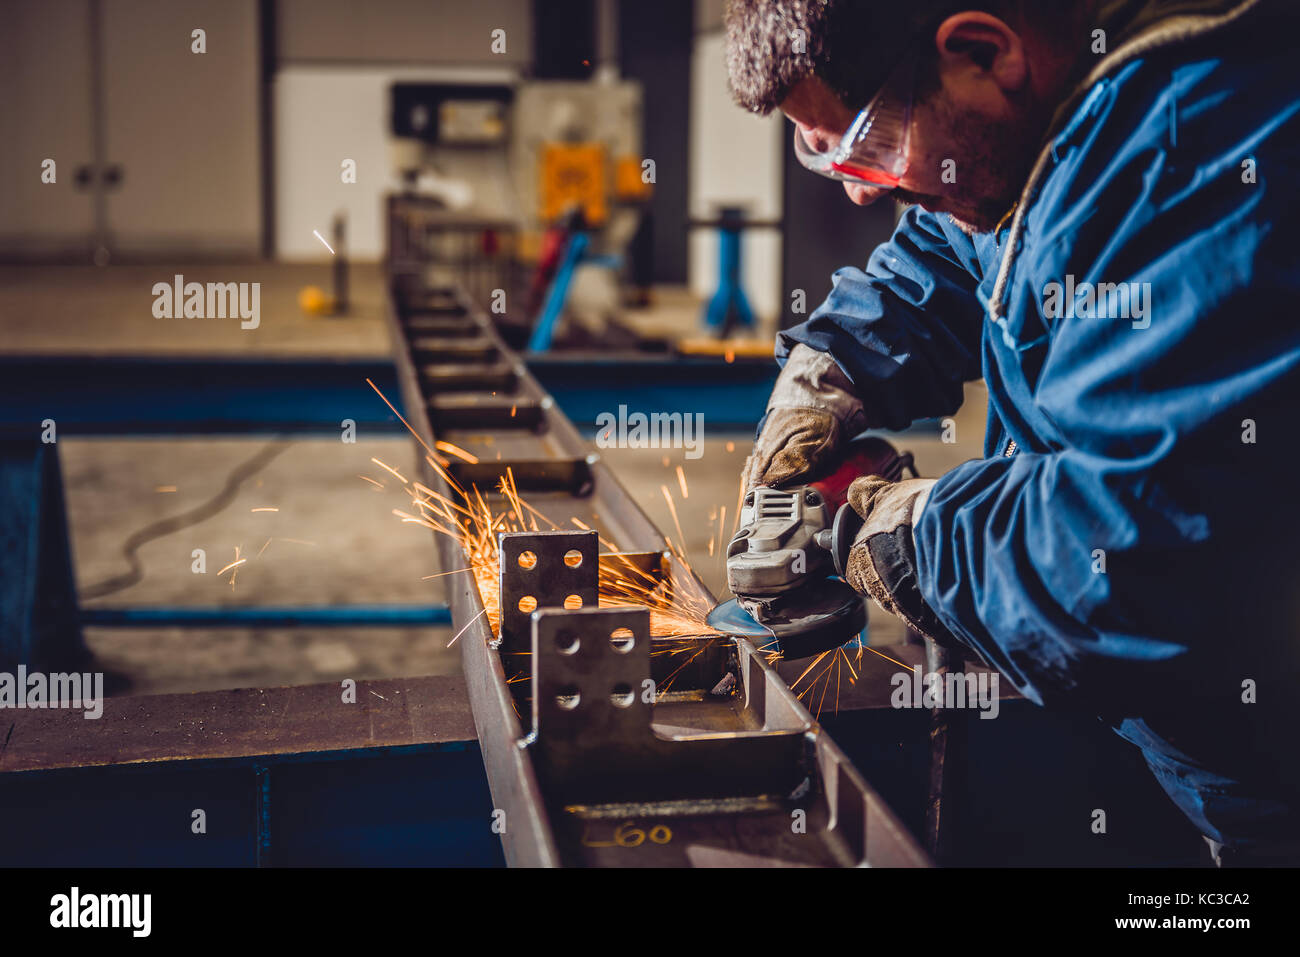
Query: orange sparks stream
[[678, 603]]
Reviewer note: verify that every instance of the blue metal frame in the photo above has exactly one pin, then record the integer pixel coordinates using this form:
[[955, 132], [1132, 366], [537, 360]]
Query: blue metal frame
[[731, 395], [235, 396], [38, 619], [197, 396]]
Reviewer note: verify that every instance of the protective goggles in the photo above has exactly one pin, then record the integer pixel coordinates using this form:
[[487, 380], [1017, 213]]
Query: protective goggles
[[873, 150]]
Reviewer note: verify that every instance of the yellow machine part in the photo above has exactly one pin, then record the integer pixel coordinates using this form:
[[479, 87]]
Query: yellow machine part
[[573, 174], [629, 184]]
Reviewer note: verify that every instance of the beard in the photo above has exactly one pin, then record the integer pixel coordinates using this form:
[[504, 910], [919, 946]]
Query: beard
[[996, 155]]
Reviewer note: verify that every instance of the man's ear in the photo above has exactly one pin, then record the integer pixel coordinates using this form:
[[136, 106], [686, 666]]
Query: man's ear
[[980, 43]]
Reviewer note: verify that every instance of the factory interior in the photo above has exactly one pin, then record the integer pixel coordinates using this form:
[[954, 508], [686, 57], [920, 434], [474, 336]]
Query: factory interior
[[365, 365]]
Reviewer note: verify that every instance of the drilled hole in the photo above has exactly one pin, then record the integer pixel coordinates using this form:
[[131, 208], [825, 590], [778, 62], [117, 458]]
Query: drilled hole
[[573, 601], [566, 643], [621, 696], [573, 558], [568, 698], [527, 603], [527, 560], [622, 640]]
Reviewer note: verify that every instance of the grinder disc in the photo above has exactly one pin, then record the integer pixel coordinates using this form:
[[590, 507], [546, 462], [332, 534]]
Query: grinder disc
[[830, 615]]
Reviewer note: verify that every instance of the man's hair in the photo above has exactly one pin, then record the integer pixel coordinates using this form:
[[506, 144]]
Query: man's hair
[[851, 45]]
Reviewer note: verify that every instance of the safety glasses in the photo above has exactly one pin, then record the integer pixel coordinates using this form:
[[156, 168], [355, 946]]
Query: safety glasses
[[873, 150]]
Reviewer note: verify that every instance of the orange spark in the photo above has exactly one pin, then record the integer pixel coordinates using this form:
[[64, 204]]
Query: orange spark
[[389, 468], [457, 451]]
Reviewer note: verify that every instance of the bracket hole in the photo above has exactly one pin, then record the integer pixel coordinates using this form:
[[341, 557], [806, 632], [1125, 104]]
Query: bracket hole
[[573, 558], [566, 643], [622, 640], [568, 698], [621, 696], [573, 601], [527, 604], [527, 559]]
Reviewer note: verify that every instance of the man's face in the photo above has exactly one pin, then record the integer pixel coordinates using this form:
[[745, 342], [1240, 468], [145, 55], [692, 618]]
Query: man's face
[[974, 135]]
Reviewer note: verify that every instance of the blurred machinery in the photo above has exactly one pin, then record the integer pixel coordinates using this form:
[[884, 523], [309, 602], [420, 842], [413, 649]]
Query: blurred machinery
[[545, 177]]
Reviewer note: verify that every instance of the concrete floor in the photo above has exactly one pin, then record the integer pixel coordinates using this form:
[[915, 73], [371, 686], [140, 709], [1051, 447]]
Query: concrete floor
[[333, 541], [359, 552]]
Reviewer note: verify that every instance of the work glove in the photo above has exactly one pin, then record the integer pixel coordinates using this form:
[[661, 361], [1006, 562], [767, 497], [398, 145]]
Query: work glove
[[882, 560], [811, 416]]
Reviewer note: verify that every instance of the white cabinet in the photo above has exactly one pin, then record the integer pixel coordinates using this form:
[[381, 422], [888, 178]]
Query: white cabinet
[[168, 139]]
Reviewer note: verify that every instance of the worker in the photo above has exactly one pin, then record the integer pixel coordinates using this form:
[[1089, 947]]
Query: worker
[[1104, 225]]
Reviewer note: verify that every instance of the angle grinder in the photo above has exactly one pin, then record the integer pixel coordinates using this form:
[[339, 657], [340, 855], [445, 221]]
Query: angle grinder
[[785, 564]]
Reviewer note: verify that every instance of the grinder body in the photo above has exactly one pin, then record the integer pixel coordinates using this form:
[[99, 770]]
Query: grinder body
[[785, 561]]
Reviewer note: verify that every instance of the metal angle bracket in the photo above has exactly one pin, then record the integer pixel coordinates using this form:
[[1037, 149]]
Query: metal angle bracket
[[542, 570], [593, 704]]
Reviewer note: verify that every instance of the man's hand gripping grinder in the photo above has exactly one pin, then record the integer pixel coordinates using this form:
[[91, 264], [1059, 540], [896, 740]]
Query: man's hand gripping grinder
[[785, 564]]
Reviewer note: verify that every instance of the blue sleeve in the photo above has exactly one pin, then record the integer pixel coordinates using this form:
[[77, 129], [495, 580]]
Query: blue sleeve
[[906, 331], [1145, 546]]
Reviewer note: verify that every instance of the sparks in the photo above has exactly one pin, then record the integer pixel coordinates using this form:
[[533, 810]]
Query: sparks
[[467, 624], [317, 234], [677, 603], [388, 468], [457, 451], [454, 571]]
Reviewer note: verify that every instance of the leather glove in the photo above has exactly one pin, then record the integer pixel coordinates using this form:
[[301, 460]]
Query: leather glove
[[882, 560], [811, 416]]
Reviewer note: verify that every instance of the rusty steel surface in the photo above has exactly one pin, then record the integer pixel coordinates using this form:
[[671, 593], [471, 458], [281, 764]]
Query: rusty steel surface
[[247, 722]]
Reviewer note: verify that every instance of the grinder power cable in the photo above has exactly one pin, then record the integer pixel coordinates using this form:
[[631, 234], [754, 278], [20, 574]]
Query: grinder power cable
[[786, 562]]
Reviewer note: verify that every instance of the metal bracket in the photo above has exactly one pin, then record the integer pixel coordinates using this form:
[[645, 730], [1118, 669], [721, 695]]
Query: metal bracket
[[592, 713], [542, 570], [591, 678]]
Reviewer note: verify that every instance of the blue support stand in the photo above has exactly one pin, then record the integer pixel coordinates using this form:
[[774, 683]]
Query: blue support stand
[[729, 307]]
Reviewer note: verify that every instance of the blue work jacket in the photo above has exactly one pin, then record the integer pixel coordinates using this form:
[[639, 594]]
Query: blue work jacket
[[1128, 545]]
